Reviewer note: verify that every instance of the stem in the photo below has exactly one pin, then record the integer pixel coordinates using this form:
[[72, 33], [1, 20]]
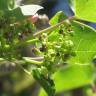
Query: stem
[[24, 61], [49, 29], [31, 61], [26, 42], [37, 58]]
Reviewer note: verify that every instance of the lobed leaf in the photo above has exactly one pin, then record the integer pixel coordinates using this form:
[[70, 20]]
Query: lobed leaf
[[84, 43]]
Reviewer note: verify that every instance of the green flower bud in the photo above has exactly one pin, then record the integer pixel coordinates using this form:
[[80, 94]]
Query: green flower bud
[[69, 44]]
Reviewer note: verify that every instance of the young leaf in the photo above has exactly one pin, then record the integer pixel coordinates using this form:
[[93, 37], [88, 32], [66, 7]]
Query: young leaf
[[85, 9], [11, 4], [59, 16]]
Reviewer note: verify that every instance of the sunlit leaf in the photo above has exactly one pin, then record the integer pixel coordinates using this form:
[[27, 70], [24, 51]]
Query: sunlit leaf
[[57, 18], [84, 42], [71, 77], [86, 9]]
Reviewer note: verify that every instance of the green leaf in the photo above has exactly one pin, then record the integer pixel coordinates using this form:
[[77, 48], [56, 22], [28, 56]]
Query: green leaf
[[59, 16], [84, 43], [16, 13], [86, 9], [3, 5], [31, 61], [7, 5], [71, 77], [11, 4]]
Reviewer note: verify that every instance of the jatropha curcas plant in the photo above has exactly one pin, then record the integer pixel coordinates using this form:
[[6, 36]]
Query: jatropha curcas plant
[[52, 50], [51, 44], [51, 47]]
